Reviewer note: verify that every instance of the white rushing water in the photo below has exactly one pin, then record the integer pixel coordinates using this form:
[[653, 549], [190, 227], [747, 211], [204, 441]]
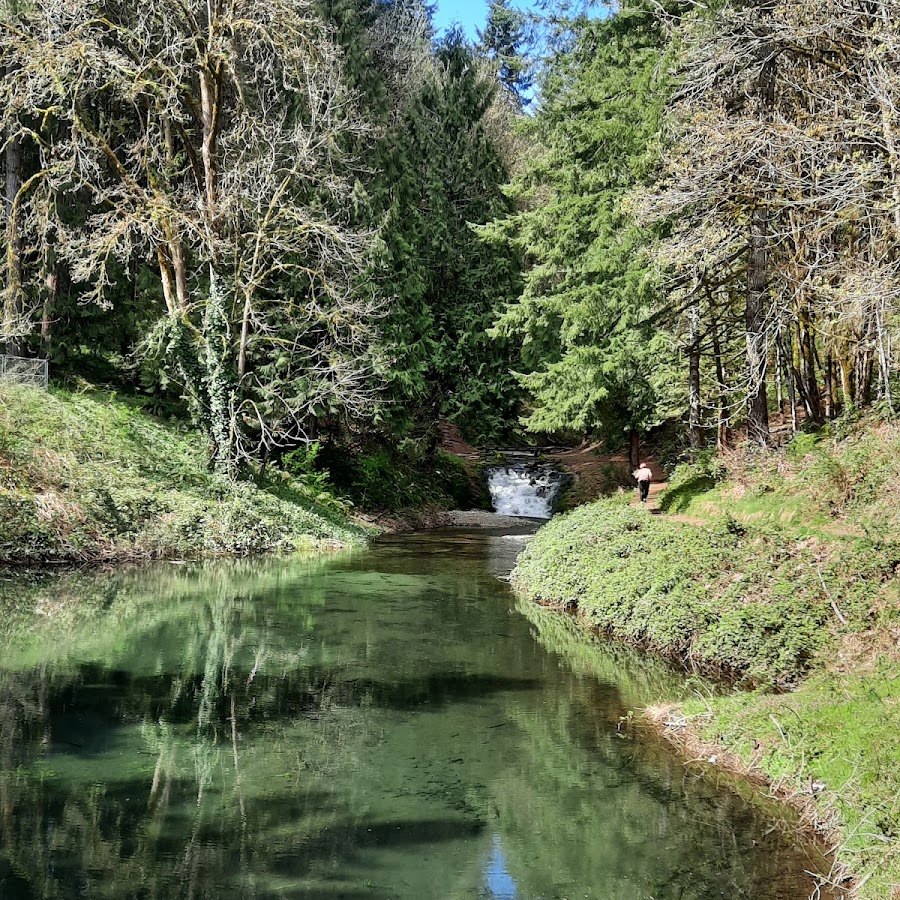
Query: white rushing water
[[524, 490]]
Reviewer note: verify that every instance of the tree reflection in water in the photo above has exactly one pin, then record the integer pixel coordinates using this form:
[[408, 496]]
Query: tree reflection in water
[[379, 725]]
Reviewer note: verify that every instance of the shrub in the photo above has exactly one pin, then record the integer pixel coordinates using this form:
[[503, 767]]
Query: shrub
[[380, 478], [692, 479], [744, 600]]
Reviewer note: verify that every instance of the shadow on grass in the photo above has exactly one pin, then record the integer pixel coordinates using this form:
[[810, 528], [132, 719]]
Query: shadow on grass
[[287, 493], [678, 498]]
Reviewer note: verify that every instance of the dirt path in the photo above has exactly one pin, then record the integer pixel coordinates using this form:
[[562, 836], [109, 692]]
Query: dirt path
[[598, 475], [656, 490]]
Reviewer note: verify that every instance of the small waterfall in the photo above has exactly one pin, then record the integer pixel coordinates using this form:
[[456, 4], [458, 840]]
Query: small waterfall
[[525, 489]]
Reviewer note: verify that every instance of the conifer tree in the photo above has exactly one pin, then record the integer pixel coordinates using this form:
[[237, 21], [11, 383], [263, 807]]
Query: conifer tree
[[597, 362], [505, 41], [434, 172]]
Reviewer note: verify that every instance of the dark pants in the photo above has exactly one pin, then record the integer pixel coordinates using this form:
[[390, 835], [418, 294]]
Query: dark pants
[[644, 487]]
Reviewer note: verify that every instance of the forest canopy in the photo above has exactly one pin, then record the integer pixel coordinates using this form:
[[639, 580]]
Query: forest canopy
[[303, 219]]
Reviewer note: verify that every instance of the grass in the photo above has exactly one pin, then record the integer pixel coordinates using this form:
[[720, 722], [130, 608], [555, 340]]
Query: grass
[[91, 476], [835, 739], [829, 483], [778, 570], [753, 603]]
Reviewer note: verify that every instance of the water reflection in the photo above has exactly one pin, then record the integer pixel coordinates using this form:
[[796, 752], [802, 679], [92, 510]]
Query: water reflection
[[499, 884], [380, 725]]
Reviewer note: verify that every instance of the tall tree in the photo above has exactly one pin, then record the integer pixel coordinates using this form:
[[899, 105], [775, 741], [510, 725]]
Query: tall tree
[[770, 194], [505, 41], [207, 137], [598, 360], [14, 324], [437, 170]]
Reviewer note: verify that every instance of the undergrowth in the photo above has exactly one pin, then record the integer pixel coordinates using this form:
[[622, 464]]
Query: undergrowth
[[86, 476], [382, 479], [750, 602], [779, 569]]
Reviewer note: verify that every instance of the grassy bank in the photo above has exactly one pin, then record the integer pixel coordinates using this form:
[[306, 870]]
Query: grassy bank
[[778, 571], [843, 482], [91, 476]]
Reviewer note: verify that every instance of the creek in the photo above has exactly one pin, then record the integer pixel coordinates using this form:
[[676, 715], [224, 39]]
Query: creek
[[386, 723]]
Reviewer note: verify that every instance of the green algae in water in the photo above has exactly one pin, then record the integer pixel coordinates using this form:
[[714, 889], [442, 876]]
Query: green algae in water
[[382, 724]]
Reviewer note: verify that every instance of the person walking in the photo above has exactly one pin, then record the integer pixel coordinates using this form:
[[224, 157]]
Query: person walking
[[644, 476]]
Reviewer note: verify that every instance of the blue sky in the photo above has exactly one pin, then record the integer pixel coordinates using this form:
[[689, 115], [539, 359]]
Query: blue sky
[[471, 14], [468, 13]]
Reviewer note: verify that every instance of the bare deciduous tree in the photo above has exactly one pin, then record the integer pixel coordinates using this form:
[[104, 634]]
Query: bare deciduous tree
[[782, 172], [207, 136]]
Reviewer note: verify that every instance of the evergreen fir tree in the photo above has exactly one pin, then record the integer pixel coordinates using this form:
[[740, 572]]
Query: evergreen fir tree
[[504, 41], [596, 364], [434, 172]]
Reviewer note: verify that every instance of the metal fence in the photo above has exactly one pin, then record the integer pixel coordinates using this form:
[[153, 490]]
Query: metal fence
[[35, 372]]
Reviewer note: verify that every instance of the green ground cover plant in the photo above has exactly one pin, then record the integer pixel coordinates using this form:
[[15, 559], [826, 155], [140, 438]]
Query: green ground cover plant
[[776, 569], [91, 476], [754, 603]]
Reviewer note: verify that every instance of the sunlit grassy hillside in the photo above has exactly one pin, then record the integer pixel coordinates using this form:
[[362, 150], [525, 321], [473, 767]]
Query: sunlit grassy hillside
[[842, 481], [88, 476], [778, 569]]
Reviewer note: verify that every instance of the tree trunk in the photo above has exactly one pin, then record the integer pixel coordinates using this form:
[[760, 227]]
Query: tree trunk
[[245, 338], [865, 366], [177, 298], [887, 114], [210, 111], [758, 264], [846, 368], [14, 307], [176, 250], [167, 277], [755, 322], [865, 362], [829, 385], [222, 423], [264, 462], [49, 309], [779, 376], [722, 440], [696, 430], [811, 397], [634, 448], [792, 397], [787, 356], [884, 358]]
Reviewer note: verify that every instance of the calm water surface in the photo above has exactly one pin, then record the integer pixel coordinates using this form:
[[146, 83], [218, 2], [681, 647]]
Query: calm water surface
[[386, 724]]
